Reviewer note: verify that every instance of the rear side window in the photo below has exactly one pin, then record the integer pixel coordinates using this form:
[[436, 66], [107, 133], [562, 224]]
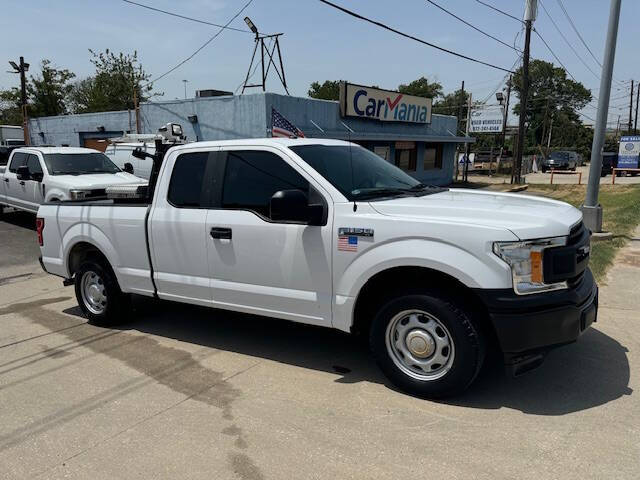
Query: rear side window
[[252, 177], [186, 188], [19, 159]]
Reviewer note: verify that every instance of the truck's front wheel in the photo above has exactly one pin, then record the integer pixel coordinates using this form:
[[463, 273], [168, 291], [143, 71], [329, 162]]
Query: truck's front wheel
[[426, 344], [99, 295]]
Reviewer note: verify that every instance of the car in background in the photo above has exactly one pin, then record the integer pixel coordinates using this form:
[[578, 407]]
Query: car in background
[[36, 175], [609, 162], [560, 160]]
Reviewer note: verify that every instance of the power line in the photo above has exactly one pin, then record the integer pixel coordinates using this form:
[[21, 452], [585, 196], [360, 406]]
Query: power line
[[566, 14], [411, 37], [567, 41], [554, 54], [472, 26], [222, 29], [500, 11], [184, 17]]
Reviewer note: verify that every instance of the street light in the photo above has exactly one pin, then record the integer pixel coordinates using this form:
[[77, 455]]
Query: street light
[[500, 97], [251, 25], [15, 66]]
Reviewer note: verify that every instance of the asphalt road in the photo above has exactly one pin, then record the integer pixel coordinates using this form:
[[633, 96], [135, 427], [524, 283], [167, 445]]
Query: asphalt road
[[190, 393]]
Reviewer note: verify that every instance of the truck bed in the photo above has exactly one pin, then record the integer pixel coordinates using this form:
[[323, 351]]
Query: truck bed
[[118, 230]]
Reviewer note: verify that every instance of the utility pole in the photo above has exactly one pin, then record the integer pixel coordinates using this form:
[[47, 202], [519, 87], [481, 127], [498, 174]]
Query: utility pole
[[635, 123], [549, 140], [592, 210], [529, 17], [22, 68], [465, 168], [459, 116], [631, 108], [136, 108]]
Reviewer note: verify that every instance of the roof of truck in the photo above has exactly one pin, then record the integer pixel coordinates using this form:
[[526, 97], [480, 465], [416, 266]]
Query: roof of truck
[[58, 149], [264, 142]]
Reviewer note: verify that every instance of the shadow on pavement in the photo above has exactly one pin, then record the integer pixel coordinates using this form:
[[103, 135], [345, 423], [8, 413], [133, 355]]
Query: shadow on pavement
[[591, 372], [19, 219]]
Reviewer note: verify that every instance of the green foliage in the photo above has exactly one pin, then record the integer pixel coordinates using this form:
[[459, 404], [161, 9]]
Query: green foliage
[[329, 90], [112, 86], [454, 103], [422, 88], [552, 96], [10, 112], [48, 92]]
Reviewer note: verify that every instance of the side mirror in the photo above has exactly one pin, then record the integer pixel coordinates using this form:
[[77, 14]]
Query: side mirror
[[23, 173], [293, 206], [289, 206], [128, 168]]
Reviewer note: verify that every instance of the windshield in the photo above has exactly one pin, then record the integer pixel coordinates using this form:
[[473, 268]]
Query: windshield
[[559, 155], [78, 163], [370, 175]]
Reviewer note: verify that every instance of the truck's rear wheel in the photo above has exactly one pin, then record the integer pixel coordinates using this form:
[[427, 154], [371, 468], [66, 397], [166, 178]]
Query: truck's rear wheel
[[99, 294], [426, 344]]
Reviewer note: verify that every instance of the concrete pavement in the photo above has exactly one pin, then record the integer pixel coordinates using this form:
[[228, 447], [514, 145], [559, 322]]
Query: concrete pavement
[[185, 392]]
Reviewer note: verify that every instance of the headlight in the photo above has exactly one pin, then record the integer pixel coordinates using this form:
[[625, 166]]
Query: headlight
[[79, 194], [526, 260]]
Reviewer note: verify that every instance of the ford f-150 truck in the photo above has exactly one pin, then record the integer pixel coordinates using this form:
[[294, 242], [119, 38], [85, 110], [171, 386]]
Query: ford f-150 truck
[[327, 233], [35, 175]]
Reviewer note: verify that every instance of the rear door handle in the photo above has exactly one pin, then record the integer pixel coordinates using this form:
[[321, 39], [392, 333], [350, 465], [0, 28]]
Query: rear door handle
[[218, 232]]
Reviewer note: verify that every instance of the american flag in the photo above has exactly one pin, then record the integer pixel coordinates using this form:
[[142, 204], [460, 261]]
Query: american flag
[[347, 243], [281, 127]]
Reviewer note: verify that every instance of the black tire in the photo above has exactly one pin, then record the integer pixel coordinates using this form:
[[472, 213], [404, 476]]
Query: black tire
[[465, 357], [544, 169], [115, 306]]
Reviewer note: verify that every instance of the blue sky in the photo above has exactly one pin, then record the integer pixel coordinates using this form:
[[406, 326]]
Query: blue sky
[[319, 42]]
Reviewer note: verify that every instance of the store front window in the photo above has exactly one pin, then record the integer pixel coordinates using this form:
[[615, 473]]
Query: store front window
[[433, 156], [406, 156]]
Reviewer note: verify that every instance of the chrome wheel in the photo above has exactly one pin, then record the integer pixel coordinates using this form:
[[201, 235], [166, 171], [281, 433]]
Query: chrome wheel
[[94, 294], [420, 345]]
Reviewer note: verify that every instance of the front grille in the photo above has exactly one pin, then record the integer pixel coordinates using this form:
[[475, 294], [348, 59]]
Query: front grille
[[568, 263]]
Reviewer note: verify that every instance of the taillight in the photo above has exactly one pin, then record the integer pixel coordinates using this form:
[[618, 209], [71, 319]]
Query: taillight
[[39, 229]]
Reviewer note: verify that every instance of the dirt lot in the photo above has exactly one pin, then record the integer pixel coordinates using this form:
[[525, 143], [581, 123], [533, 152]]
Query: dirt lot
[[189, 393]]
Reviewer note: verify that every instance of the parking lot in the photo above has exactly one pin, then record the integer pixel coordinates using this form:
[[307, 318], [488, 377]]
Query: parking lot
[[185, 392]]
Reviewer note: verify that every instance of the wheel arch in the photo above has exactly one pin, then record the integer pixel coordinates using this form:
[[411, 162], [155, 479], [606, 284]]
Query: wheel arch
[[387, 283]]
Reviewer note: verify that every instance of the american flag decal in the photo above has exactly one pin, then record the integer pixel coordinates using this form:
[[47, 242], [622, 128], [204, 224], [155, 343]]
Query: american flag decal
[[347, 243], [281, 127]]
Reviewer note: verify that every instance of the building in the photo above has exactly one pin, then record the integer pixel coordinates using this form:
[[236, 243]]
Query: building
[[425, 150]]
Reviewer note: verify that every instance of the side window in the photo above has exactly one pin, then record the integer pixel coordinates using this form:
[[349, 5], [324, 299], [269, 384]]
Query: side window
[[34, 164], [187, 188], [252, 177], [19, 159]]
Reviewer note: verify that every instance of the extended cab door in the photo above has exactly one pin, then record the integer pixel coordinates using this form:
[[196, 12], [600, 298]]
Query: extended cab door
[[258, 265], [177, 221], [34, 187]]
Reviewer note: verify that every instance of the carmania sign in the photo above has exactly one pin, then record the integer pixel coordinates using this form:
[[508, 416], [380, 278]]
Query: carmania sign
[[383, 105]]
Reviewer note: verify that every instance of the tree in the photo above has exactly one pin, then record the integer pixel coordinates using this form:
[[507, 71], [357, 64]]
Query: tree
[[10, 107], [552, 96], [453, 104], [48, 92], [329, 90], [112, 87], [422, 88]]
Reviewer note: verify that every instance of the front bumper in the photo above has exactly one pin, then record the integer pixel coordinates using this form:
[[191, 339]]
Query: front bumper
[[527, 326]]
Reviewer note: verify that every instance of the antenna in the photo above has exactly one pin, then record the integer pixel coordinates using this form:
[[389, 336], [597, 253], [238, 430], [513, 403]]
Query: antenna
[[270, 51]]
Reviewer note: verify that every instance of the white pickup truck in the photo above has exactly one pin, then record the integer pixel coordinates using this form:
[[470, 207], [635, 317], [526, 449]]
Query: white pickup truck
[[35, 175], [327, 233]]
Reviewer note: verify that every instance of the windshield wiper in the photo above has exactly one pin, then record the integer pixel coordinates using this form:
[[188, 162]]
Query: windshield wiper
[[379, 192]]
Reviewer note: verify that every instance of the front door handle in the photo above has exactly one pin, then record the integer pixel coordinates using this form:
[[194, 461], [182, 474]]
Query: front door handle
[[218, 232], [6, 180]]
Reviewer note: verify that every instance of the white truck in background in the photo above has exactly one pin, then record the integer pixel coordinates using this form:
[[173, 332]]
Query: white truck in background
[[35, 175], [327, 233], [11, 136]]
